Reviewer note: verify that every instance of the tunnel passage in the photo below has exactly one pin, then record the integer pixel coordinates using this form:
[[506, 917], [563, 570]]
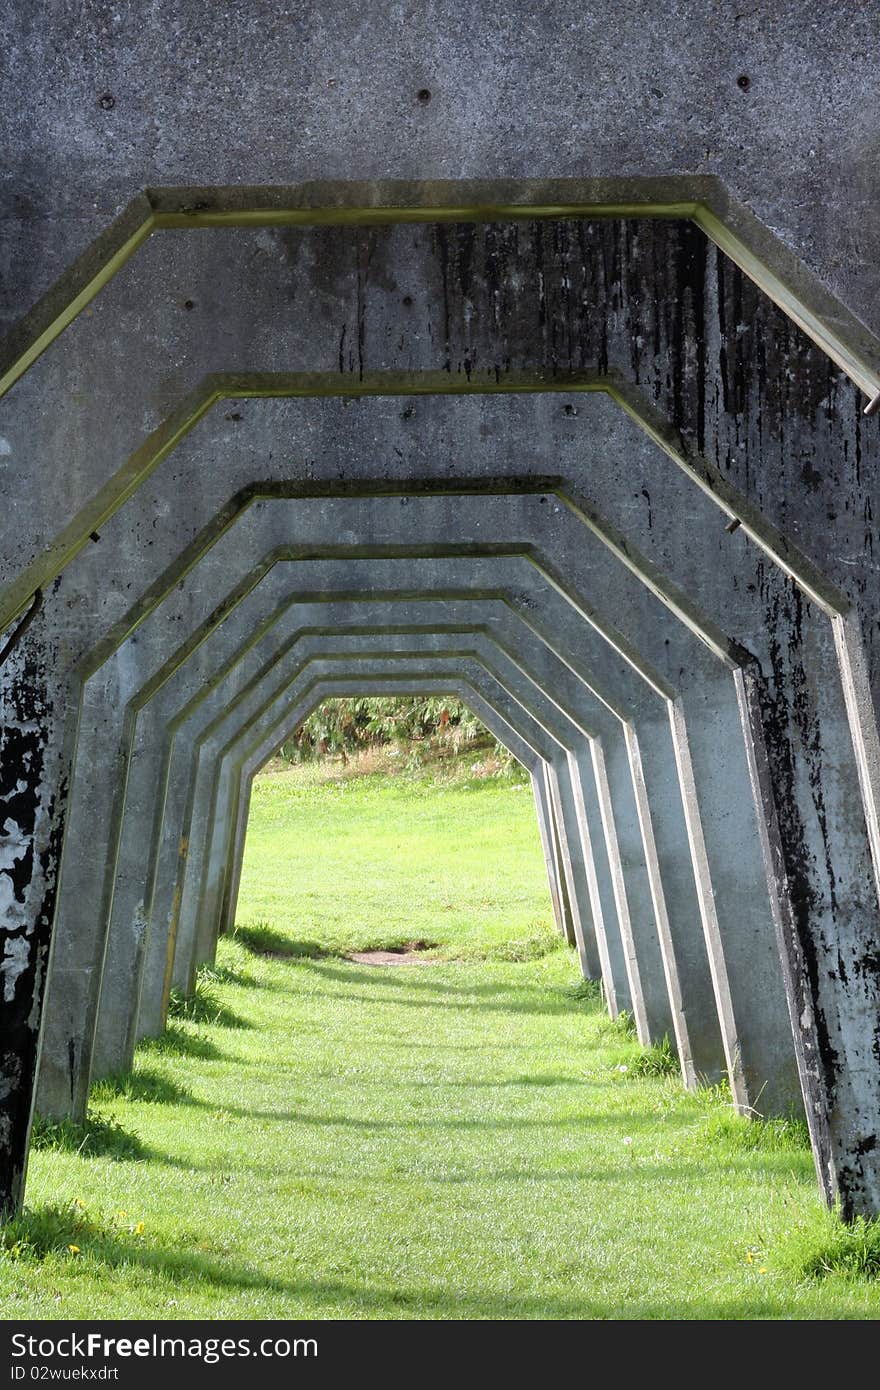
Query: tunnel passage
[[318, 807], [677, 369]]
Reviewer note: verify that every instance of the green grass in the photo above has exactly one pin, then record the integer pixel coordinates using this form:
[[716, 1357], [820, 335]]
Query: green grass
[[466, 1139], [361, 863]]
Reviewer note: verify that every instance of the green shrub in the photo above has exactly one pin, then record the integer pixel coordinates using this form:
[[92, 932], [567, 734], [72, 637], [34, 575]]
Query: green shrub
[[353, 724]]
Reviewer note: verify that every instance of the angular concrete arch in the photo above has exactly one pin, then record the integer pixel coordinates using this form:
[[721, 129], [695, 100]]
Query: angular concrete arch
[[704, 199], [524, 737], [839, 877], [736, 716]]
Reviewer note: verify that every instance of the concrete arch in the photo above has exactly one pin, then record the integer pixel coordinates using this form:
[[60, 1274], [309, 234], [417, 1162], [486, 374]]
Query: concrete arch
[[537, 662], [704, 199]]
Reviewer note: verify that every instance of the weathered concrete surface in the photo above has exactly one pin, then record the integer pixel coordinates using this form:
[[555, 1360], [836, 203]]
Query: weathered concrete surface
[[548, 833], [102, 102]]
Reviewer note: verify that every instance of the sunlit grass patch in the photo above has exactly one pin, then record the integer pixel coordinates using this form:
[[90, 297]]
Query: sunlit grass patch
[[534, 941], [823, 1247], [723, 1128]]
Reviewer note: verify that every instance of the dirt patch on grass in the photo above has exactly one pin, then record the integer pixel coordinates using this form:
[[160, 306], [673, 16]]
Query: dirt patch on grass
[[412, 953]]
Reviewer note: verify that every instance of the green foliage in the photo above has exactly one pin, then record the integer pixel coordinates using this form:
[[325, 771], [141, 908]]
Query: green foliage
[[50, 1229], [587, 992], [723, 1127], [59, 1233], [351, 725], [623, 1026]]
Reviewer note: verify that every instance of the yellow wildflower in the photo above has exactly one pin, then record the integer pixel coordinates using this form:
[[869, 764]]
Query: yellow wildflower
[[74, 1249]]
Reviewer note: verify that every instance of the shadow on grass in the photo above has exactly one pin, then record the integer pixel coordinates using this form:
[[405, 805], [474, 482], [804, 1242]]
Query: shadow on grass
[[261, 939], [179, 1041], [265, 940], [204, 1006], [47, 1229], [143, 1085], [489, 998], [229, 975], [101, 1136], [418, 1124], [71, 1234]]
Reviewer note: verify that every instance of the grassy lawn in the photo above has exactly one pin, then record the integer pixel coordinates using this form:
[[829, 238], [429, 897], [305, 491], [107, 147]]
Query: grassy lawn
[[465, 1139]]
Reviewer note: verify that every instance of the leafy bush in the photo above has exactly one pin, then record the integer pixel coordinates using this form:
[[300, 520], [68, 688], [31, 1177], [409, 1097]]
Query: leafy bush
[[353, 724]]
